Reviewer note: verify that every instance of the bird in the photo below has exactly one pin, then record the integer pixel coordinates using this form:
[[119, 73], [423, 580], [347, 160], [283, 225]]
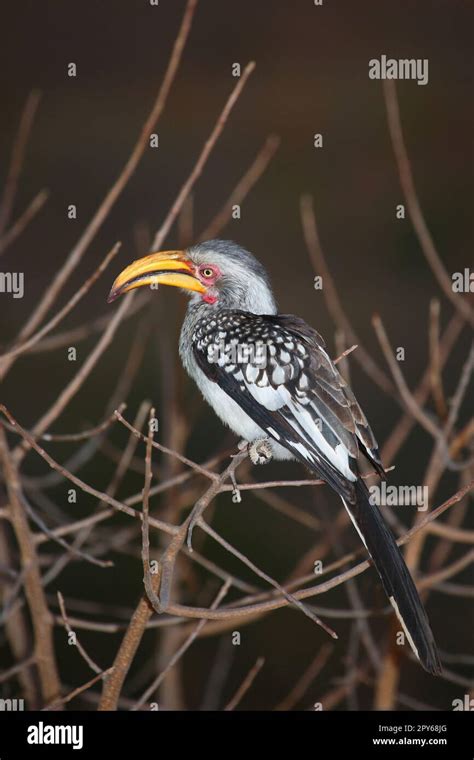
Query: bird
[[269, 378]]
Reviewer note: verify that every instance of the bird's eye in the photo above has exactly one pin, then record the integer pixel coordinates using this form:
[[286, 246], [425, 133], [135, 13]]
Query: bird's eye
[[207, 272]]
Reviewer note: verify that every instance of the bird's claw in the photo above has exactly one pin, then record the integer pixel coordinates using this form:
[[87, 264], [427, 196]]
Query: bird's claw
[[260, 451], [236, 497]]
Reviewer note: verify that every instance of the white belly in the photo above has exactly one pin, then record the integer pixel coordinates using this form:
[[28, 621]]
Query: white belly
[[234, 417]]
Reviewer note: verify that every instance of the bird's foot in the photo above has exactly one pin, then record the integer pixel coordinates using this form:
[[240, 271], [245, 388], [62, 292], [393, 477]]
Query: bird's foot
[[236, 496], [260, 451]]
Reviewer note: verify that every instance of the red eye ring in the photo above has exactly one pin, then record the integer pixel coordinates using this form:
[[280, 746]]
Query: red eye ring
[[207, 272]]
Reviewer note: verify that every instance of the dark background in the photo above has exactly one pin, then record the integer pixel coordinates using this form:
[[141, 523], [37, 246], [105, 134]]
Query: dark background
[[311, 76]]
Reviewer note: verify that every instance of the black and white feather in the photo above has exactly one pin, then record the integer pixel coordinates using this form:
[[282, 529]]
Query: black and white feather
[[275, 367]]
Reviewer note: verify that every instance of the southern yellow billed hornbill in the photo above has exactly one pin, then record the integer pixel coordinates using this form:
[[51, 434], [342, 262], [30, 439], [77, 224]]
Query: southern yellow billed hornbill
[[269, 378]]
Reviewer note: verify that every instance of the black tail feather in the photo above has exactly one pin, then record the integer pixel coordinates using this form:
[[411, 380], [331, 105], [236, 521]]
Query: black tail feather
[[395, 576]]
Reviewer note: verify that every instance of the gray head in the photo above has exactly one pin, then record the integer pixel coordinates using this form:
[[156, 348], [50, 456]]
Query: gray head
[[234, 278], [215, 274]]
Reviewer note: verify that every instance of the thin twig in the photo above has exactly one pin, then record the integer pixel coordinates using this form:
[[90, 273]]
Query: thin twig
[[331, 297], [17, 158], [70, 390], [13, 671], [75, 256], [243, 187], [76, 334], [435, 362], [340, 342], [9, 237], [117, 505], [245, 685], [77, 644], [166, 450], [291, 598], [67, 308], [90, 433], [41, 618], [147, 580], [449, 571], [71, 550], [202, 159], [80, 689], [308, 677], [406, 423], [408, 397], [411, 199]]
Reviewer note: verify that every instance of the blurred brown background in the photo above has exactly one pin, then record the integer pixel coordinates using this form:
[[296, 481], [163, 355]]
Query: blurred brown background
[[311, 76]]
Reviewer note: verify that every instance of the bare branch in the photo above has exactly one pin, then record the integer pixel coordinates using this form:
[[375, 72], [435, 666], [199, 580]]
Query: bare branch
[[9, 237], [17, 158], [41, 617], [67, 308], [331, 297], [78, 644], [102, 212], [414, 209], [245, 685], [202, 159], [243, 187]]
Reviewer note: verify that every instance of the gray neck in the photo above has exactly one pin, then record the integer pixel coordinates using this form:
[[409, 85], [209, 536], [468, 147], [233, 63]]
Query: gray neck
[[255, 301]]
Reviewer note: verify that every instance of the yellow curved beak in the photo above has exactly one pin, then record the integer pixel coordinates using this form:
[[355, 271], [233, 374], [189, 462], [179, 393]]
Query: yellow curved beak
[[163, 268]]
